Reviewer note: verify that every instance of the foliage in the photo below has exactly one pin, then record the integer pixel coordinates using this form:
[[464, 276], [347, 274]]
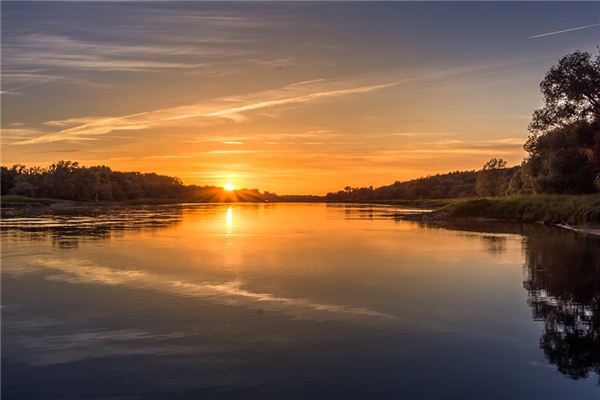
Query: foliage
[[441, 186], [520, 183], [70, 181], [564, 148], [494, 164], [576, 210], [493, 179], [571, 93], [565, 160]]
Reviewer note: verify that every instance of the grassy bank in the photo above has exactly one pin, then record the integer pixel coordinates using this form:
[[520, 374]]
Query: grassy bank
[[18, 201], [23, 201], [424, 203], [582, 210]]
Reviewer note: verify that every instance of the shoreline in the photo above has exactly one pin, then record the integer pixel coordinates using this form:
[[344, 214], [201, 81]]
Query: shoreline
[[579, 214], [433, 217], [585, 231]]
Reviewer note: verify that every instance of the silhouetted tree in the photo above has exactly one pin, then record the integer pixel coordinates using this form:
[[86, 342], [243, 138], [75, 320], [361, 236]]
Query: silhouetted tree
[[492, 180], [565, 160], [564, 148], [450, 185], [68, 180], [7, 179], [571, 93]]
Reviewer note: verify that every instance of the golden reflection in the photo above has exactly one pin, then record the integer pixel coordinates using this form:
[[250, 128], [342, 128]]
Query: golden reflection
[[229, 219]]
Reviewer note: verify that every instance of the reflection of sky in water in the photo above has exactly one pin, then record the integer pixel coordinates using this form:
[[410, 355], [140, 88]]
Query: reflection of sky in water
[[280, 300]]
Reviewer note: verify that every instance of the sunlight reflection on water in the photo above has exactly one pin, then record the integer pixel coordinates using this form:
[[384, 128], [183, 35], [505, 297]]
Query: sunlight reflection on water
[[293, 297]]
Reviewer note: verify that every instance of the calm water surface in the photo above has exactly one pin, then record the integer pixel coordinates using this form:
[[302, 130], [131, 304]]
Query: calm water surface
[[294, 301]]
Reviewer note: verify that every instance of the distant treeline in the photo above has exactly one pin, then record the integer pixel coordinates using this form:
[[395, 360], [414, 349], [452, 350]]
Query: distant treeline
[[70, 181], [452, 185]]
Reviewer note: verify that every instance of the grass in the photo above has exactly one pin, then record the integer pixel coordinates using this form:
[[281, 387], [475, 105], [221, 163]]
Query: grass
[[424, 203], [13, 200], [16, 201], [581, 210]]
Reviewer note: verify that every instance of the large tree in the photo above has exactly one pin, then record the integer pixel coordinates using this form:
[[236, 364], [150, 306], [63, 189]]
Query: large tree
[[564, 148], [571, 91]]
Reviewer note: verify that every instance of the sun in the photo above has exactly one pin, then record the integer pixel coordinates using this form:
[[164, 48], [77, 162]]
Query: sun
[[229, 187]]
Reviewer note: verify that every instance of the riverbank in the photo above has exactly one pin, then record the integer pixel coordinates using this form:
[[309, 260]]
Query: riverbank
[[580, 213], [568, 211], [10, 201], [24, 201], [580, 210]]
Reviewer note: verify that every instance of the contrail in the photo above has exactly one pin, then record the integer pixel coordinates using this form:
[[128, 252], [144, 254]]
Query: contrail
[[563, 31]]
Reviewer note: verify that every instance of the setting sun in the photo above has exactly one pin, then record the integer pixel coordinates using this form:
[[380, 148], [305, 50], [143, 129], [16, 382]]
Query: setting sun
[[328, 199]]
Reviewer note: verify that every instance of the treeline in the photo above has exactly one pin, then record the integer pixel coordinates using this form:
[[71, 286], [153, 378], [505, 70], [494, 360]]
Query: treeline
[[69, 181], [452, 185], [563, 150]]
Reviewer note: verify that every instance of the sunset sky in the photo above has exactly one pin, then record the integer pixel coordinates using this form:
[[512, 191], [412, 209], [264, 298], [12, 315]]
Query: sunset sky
[[291, 98]]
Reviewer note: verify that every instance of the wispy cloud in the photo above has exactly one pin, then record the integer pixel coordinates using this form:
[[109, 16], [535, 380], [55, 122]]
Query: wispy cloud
[[51, 51], [150, 39], [202, 113], [563, 31], [307, 82], [233, 111]]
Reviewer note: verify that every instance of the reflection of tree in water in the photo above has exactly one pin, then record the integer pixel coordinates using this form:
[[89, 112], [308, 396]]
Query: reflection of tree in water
[[494, 244], [67, 228], [562, 278], [563, 281]]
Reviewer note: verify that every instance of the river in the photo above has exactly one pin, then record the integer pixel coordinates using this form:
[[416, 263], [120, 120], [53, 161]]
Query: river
[[293, 301]]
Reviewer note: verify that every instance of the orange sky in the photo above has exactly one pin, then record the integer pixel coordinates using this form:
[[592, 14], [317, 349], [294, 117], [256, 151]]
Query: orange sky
[[291, 99]]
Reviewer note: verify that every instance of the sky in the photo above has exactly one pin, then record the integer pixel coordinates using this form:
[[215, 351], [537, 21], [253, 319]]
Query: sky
[[285, 97]]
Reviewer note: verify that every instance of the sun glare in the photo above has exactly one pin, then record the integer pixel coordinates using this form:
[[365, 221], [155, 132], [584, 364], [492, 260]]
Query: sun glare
[[229, 187]]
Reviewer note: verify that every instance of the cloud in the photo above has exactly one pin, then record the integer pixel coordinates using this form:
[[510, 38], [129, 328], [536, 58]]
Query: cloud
[[233, 111], [563, 31], [307, 82], [50, 51], [204, 113]]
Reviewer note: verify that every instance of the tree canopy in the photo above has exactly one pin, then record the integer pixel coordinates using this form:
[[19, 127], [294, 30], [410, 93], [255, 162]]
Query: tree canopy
[[571, 91], [564, 147]]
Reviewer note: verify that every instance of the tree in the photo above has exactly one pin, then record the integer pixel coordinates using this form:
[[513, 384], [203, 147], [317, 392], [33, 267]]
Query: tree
[[68, 180], [571, 93], [7, 179], [492, 180], [520, 183], [564, 148], [495, 163], [561, 161], [23, 189]]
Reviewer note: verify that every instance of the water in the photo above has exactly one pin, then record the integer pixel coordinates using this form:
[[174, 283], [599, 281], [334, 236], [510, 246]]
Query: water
[[294, 301]]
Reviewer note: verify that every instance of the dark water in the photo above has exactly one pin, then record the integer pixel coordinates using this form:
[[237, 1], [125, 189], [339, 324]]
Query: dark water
[[294, 301]]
